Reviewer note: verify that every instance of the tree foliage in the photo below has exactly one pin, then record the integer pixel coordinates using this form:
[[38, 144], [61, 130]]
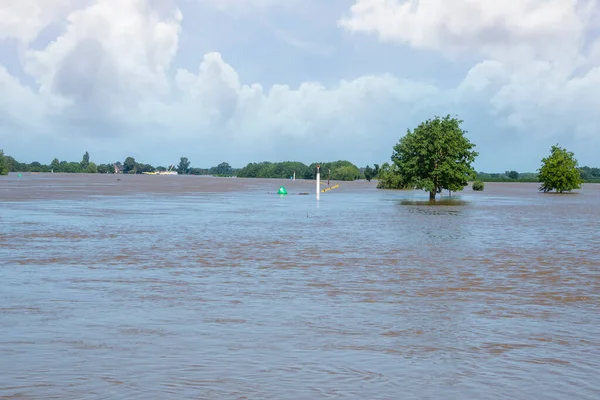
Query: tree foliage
[[341, 170], [344, 173], [559, 171], [512, 174], [3, 167], [105, 169], [505, 177], [389, 177], [92, 168], [436, 155], [223, 169], [85, 161], [183, 167], [478, 186], [369, 173], [337, 170], [129, 165], [55, 165], [590, 174]]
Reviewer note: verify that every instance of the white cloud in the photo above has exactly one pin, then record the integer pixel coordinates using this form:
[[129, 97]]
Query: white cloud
[[251, 115], [19, 106], [500, 28], [111, 72], [24, 19], [530, 51], [113, 53]]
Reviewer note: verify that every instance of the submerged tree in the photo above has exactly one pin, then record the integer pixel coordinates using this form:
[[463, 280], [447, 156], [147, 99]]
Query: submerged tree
[[559, 171], [436, 155]]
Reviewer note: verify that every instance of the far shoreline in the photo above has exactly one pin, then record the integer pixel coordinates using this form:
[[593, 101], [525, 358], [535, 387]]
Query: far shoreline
[[470, 182]]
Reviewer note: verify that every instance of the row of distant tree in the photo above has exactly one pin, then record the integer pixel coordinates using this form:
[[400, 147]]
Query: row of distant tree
[[341, 170], [338, 170], [588, 174], [128, 166]]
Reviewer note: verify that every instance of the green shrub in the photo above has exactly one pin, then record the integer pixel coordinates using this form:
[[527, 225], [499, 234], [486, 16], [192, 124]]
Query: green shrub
[[478, 186]]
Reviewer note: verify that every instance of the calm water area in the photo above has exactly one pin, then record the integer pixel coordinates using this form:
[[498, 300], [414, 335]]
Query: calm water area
[[173, 287]]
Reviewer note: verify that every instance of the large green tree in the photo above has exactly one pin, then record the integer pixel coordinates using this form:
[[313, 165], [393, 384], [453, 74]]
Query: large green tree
[[436, 155], [3, 167], [559, 171]]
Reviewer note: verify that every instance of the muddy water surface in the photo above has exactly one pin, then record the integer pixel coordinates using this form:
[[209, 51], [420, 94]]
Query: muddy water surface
[[187, 287]]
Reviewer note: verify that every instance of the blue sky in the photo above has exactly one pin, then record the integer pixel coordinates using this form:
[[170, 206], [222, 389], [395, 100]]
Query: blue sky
[[252, 80]]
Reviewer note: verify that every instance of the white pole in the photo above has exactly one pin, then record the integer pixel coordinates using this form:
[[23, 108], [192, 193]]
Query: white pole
[[294, 175], [318, 183]]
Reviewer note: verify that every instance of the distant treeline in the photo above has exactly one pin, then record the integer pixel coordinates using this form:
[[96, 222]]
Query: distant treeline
[[128, 166], [338, 170], [341, 170], [588, 174]]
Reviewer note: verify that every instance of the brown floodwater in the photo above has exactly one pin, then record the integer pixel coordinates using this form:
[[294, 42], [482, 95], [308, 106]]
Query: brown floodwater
[[152, 287]]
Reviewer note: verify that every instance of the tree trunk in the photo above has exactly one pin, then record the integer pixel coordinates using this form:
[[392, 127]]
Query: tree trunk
[[432, 195]]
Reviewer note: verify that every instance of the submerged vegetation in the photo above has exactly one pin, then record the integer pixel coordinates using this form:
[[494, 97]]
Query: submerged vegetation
[[478, 186], [559, 171], [435, 156]]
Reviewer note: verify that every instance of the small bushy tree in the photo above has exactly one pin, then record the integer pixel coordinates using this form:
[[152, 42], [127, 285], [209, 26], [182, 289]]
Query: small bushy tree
[[478, 186], [559, 171]]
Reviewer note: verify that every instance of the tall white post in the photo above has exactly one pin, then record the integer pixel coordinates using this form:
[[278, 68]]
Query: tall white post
[[294, 175], [318, 183]]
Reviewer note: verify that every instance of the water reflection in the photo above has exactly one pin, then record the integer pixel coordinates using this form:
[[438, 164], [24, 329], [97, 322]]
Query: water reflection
[[443, 202]]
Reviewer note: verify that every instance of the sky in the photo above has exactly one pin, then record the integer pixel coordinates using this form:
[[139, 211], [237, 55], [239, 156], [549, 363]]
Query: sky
[[304, 80]]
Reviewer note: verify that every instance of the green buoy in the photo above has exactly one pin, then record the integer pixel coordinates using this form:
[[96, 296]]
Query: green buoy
[[20, 175], [282, 190]]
